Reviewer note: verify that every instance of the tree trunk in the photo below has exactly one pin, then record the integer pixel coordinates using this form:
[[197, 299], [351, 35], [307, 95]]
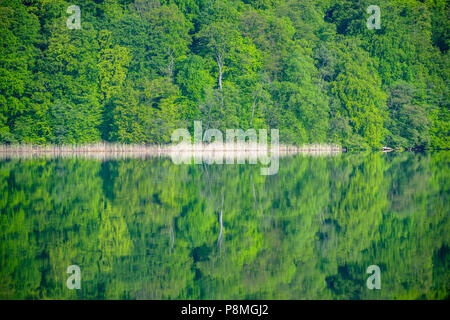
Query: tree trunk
[[220, 66]]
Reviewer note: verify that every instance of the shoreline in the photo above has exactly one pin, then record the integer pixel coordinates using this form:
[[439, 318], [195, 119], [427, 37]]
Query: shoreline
[[191, 148], [212, 150], [167, 149]]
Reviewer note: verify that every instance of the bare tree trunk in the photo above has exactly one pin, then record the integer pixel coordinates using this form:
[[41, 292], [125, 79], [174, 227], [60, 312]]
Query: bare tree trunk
[[253, 106], [220, 66], [256, 95], [168, 71], [171, 62]]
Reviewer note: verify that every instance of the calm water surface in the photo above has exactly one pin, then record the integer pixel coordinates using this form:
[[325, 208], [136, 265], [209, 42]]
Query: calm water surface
[[149, 229]]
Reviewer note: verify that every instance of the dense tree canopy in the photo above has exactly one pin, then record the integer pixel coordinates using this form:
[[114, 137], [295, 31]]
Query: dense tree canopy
[[136, 70]]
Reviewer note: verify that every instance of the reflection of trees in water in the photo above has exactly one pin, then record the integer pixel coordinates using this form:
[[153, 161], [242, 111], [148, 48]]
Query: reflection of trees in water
[[148, 229]]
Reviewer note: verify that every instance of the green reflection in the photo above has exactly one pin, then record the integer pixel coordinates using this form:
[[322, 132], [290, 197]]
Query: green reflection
[[149, 229]]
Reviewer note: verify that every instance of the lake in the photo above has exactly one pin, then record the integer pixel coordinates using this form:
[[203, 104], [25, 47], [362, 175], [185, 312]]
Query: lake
[[146, 228]]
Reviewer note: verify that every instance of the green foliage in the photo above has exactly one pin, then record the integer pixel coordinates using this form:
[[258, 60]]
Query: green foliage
[[409, 123], [313, 70]]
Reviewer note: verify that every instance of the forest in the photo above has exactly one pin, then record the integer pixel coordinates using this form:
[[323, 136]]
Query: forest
[[138, 69]]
